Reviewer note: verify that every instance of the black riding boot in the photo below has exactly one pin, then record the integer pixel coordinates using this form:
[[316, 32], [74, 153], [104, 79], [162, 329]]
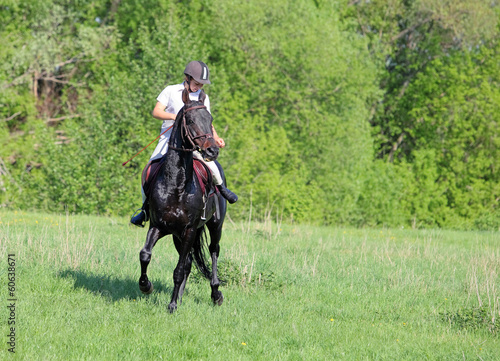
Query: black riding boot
[[226, 193], [139, 219]]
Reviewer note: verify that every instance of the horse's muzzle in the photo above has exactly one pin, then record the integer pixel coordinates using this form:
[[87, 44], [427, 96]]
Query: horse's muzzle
[[210, 154]]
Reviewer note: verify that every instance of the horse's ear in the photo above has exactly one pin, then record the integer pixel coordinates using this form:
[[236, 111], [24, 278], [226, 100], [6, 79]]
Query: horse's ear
[[185, 96], [202, 96]]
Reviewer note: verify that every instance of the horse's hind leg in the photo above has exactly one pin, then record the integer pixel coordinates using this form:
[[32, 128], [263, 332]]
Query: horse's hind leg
[[184, 248], [187, 267], [214, 248], [145, 257], [217, 296]]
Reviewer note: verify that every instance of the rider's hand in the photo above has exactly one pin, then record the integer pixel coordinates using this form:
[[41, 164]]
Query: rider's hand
[[220, 142]]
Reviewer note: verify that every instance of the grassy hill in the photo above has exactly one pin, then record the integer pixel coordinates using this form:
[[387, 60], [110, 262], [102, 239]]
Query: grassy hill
[[291, 293]]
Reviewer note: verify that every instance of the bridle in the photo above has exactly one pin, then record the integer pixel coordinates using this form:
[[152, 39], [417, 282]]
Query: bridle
[[187, 134]]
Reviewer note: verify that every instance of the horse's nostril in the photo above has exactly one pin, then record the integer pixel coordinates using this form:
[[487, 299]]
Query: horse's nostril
[[212, 152]]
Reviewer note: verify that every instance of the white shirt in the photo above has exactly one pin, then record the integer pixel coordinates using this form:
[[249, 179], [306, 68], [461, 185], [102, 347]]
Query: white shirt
[[171, 98]]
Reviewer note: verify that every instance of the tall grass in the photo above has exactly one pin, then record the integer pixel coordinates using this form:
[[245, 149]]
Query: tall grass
[[291, 293]]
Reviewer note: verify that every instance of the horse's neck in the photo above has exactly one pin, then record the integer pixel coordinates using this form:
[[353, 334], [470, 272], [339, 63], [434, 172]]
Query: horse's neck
[[178, 165], [178, 162]]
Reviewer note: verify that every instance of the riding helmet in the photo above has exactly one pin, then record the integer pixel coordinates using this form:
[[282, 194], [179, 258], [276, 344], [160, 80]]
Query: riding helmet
[[198, 70]]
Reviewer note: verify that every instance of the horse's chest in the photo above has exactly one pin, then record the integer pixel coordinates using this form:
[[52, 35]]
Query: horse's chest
[[174, 215]]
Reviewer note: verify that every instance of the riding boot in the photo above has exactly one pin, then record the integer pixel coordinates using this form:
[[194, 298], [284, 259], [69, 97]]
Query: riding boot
[[226, 193], [139, 219]]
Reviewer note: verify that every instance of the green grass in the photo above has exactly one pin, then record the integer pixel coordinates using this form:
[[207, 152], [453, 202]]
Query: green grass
[[291, 293]]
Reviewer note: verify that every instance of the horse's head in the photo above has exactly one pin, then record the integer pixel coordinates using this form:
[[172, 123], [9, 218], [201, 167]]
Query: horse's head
[[197, 126]]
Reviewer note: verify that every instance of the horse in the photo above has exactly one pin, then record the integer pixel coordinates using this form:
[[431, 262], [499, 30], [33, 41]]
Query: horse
[[177, 205]]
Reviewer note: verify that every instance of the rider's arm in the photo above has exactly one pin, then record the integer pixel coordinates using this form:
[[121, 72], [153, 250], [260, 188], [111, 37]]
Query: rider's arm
[[160, 113], [220, 142]]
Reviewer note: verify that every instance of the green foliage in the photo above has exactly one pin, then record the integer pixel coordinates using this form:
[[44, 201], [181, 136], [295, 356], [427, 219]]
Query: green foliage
[[47, 72], [452, 131], [296, 123], [377, 113], [381, 202], [437, 118]]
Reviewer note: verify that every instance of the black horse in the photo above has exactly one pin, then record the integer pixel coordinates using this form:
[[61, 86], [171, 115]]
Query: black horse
[[178, 206]]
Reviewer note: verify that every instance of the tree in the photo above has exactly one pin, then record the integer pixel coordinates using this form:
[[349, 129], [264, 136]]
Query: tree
[[51, 52]]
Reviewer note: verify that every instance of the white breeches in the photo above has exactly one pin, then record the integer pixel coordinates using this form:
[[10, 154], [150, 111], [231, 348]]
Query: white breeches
[[212, 166]]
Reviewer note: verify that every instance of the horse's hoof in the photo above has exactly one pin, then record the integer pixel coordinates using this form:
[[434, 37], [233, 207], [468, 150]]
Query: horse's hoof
[[148, 289], [172, 307], [219, 301]]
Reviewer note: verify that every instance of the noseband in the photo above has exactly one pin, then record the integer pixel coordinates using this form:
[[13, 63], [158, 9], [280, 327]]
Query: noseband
[[187, 134]]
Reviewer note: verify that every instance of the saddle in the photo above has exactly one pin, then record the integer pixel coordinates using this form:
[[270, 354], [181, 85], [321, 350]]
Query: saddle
[[203, 175]]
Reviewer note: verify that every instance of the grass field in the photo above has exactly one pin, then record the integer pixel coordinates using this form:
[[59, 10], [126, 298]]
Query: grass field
[[291, 293]]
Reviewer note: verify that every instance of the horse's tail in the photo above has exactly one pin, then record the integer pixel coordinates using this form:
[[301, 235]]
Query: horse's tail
[[200, 251]]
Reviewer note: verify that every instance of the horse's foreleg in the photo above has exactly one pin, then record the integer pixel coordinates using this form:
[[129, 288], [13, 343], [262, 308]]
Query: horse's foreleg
[[184, 248], [145, 257]]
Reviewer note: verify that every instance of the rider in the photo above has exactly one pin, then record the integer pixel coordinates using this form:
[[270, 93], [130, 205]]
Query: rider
[[169, 103]]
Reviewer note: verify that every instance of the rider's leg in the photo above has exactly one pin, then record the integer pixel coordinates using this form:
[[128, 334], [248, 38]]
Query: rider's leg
[[140, 218], [226, 193], [160, 151]]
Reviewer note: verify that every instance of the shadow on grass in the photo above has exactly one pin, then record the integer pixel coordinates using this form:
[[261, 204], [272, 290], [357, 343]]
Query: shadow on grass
[[115, 289], [111, 288]]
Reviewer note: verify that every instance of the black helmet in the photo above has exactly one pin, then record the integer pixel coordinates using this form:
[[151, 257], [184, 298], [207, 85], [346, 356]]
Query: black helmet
[[198, 70]]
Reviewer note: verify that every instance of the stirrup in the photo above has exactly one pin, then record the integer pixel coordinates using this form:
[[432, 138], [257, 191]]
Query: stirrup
[[204, 215], [139, 218]]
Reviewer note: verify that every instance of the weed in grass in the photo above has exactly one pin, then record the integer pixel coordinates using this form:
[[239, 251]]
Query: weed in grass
[[230, 274], [472, 319], [481, 286]]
